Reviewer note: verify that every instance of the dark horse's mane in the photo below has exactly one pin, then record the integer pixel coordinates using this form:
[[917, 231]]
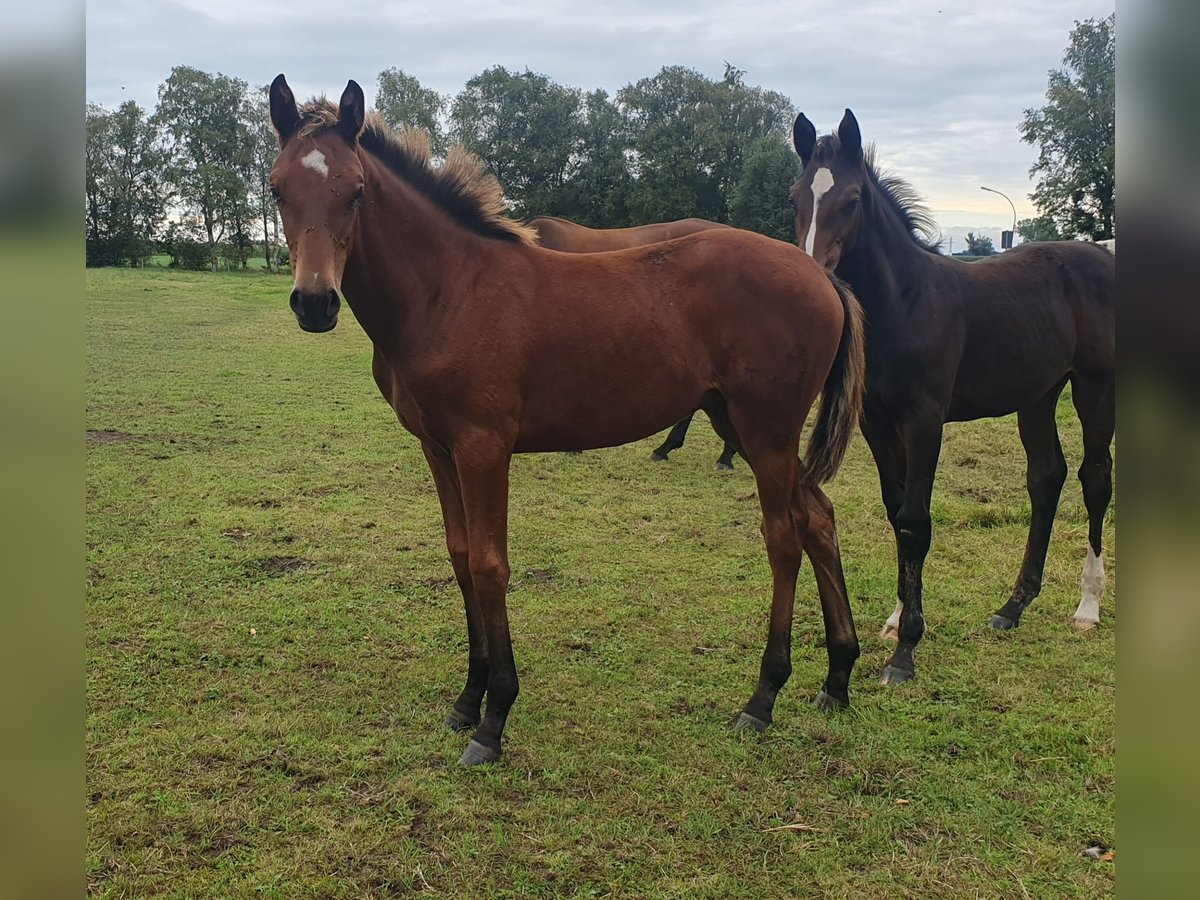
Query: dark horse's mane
[[897, 194], [461, 185]]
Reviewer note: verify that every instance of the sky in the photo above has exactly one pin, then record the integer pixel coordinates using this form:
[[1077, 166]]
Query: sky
[[940, 87]]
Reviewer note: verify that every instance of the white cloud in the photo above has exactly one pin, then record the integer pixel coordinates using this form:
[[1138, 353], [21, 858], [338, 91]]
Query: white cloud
[[939, 87]]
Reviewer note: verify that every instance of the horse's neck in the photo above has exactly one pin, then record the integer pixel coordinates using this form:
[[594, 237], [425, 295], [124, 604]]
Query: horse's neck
[[884, 267], [405, 248]]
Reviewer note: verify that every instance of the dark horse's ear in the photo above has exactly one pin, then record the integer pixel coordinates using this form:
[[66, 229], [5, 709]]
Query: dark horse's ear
[[849, 136], [804, 138], [352, 112], [283, 109]]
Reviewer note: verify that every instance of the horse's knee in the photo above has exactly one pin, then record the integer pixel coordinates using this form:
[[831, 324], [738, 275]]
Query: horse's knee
[[1045, 481]]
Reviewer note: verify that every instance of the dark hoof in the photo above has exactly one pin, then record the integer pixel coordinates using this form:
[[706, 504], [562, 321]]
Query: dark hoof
[[1003, 623], [724, 466], [456, 721], [826, 702], [747, 722], [477, 754], [892, 675], [655, 456]]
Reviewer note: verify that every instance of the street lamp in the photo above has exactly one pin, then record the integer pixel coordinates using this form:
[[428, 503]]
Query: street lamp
[[1006, 239]]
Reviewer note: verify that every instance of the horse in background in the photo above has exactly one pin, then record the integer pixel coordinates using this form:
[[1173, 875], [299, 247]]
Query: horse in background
[[950, 341], [569, 237], [486, 345], [555, 233]]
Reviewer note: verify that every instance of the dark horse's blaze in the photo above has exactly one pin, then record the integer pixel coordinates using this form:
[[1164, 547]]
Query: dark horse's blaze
[[488, 345], [949, 341], [570, 237]]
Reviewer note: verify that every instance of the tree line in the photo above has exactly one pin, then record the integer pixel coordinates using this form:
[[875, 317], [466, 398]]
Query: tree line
[[190, 178]]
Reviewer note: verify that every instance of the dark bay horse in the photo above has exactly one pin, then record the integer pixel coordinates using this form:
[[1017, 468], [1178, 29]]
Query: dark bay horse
[[949, 341], [488, 345], [569, 237]]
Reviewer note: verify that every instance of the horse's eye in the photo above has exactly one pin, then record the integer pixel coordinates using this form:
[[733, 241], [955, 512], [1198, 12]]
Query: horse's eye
[[275, 195], [357, 198]]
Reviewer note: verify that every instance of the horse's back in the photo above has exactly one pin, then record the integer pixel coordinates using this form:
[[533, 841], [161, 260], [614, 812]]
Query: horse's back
[[571, 237], [1032, 316]]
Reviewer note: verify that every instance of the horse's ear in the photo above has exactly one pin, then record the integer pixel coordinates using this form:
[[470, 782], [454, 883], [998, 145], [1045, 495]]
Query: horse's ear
[[352, 111], [283, 109], [849, 136], [804, 138]]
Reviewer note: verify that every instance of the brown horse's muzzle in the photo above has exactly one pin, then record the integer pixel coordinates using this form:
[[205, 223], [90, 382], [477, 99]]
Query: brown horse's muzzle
[[316, 312]]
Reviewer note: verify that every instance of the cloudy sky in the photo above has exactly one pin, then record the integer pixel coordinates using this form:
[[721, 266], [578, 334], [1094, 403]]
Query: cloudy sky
[[940, 86]]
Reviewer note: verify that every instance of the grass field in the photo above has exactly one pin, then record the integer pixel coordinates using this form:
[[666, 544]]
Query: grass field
[[274, 637]]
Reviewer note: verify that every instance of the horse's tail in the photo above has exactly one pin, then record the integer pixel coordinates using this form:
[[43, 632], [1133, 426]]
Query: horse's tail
[[842, 396]]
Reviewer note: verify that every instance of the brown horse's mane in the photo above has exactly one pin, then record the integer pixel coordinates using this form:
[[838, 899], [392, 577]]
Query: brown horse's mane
[[897, 194], [461, 185]]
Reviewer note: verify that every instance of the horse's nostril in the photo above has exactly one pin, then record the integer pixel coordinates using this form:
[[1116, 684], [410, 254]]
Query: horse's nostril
[[294, 302], [333, 305]]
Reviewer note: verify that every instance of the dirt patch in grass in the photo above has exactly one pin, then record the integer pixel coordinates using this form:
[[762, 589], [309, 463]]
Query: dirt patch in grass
[[277, 566]]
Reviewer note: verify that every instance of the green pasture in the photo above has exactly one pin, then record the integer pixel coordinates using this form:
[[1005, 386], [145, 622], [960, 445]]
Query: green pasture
[[274, 637]]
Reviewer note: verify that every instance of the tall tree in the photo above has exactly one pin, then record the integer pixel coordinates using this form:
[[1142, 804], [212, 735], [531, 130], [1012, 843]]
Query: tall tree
[[526, 128], [1075, 133], [690, 137], [759, 199], [403, 102], [264, 147], [97, 160], [600, 186], [1039, 228], [124, 190], [203, 118]]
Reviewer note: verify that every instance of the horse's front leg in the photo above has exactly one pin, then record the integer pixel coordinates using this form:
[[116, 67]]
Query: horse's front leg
[[465, 713], [914, 532], [482, 462]]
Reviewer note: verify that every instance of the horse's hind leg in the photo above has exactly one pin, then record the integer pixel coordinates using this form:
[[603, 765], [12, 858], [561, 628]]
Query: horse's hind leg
[[821, 545], [1095, 401], [1045, 473], [784, 526], [725, 461], [674, 440]]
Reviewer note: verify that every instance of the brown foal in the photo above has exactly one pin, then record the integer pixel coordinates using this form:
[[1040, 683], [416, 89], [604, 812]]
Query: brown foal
[[488, 345]]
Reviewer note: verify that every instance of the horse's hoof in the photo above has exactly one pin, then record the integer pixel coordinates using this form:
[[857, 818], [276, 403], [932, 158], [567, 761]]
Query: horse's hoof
[[1003, 623], [747, 722], [477, 754], [826, 702], [1083, 624], [456, 721], [724, 466], [894, 676], [890, 633], [655, 456]]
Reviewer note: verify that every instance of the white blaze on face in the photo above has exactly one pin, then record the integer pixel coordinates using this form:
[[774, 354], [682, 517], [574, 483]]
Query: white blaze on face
[[821, 183], [1093, 587], [315, 160]]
